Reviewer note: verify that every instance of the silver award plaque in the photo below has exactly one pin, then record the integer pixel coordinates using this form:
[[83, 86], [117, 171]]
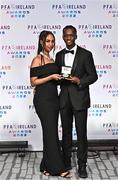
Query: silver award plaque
[[66, 71]]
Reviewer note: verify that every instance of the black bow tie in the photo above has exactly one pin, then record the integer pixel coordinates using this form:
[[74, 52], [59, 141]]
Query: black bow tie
[[71, 51]]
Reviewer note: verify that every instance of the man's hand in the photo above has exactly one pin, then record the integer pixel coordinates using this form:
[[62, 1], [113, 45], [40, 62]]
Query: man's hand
[[73, 79], [55, 77]]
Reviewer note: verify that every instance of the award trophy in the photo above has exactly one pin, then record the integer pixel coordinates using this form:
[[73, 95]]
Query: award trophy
[[66, 71]]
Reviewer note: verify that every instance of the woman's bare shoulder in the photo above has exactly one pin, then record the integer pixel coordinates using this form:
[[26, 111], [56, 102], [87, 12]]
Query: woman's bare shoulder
[[36, 61]]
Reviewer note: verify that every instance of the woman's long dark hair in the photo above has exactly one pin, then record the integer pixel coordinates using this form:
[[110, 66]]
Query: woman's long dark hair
[[42, 38]]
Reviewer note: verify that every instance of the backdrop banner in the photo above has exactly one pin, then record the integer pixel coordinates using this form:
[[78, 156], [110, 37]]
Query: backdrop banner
[[21, 22]]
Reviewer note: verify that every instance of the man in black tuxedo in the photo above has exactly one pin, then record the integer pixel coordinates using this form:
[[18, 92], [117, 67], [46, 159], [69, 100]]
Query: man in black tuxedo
[[74, 96]]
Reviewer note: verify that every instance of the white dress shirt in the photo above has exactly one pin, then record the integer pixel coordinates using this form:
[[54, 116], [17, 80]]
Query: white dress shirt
[[69, 57]]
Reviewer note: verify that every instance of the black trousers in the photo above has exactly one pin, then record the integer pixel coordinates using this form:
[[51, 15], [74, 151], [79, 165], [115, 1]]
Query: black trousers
[[52, 160], [67, 114]]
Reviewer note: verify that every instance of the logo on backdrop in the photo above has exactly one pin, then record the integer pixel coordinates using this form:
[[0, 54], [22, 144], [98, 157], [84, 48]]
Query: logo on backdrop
[[18, 51], [95, 30], [17, 10], [31, 108], [37, 28], [103, 69], [111, 49], [58, 47], [98, 110], [111, 128], [4, 70], [111, 89], [68, 10], [17, 91], [111, 9], [4, 29], [4, 109], [19, 130]]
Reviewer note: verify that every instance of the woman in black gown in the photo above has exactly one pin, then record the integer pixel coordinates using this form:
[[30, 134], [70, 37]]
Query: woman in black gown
[[43, 76]]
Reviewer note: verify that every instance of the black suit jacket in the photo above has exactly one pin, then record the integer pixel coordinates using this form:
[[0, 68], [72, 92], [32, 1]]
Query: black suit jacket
[[84, 68]]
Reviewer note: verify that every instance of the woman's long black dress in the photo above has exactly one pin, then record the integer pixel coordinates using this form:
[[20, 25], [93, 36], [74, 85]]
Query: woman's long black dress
[[46, 103]]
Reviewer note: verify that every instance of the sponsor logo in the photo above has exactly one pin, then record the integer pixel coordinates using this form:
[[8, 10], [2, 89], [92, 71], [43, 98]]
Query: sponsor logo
[[111, 89], [17, 10], [4, 69], [111, 128], [111, 9], [18, 51], [98, 110], [4, 109], [111, 49], [68, 10], [103, 69], [4, 29], [95, 30], [37, 28], [17, 91], [19, 130]]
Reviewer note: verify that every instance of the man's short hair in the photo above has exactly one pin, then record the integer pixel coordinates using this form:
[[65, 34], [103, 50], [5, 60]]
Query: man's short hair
[[70, 27]]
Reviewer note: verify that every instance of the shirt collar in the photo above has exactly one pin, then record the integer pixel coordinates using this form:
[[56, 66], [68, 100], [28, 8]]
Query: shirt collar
[[74, 48]]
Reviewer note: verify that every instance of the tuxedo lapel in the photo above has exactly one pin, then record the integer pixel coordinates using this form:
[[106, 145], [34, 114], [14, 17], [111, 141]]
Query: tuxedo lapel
[[75, 61], [63, 57]]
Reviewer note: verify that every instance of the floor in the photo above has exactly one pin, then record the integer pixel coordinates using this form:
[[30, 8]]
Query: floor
[[102, 165]]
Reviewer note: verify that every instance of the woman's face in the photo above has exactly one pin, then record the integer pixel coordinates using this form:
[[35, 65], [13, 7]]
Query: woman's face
[[49, 43]]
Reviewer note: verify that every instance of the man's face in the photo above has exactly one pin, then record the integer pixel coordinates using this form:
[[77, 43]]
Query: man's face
[[69, 37]]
